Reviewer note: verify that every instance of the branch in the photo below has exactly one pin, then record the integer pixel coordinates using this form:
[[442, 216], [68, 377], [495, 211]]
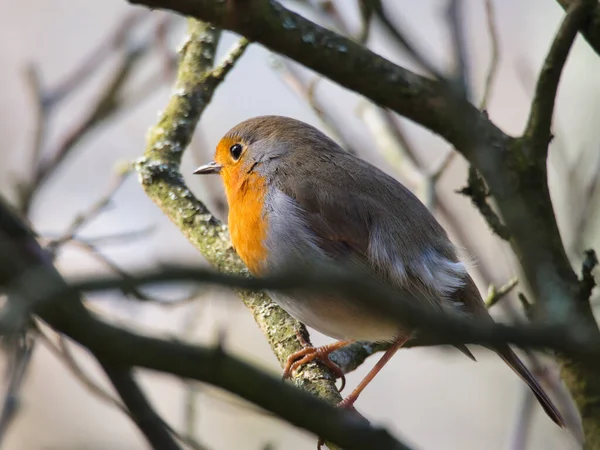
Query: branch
[[495, 295], [590, 28], [587, 283], [495, 53], [119, 346], [538, 130], [140, 410], [18, 350], [478, 193], [435, 327]]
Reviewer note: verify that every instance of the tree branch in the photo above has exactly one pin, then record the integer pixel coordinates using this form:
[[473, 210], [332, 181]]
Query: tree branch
[[590, 28], [435, 327], [140, 410], [478, 193], [538, 130]]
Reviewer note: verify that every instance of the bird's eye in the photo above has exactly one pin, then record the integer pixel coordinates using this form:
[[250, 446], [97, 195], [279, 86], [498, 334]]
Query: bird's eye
[[235, 151]]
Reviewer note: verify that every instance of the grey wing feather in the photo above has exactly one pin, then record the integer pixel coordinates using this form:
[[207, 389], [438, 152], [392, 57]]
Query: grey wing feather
[[359, 212]]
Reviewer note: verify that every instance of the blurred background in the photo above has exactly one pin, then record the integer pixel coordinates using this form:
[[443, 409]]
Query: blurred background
[[59, 57]]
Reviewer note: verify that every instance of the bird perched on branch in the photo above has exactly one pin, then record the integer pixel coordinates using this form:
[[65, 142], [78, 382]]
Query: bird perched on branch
[[296, 197]]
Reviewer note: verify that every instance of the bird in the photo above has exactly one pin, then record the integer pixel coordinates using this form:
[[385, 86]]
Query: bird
[[296, 197]]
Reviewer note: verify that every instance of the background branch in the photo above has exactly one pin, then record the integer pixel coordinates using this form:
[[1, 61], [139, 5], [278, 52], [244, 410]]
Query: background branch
[[538, 130], [591, 27]]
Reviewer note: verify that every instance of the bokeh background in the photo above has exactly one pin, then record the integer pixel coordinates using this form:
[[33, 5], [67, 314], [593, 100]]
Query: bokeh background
[[433, 398]]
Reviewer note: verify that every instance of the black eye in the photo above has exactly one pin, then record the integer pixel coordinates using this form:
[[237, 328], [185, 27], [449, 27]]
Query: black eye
[[235, 151]]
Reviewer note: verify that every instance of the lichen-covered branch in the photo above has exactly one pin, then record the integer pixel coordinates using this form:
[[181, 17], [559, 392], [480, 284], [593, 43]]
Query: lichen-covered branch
[[160, 177]]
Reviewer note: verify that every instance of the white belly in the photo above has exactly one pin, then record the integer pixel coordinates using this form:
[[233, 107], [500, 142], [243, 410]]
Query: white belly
[[337, 318]]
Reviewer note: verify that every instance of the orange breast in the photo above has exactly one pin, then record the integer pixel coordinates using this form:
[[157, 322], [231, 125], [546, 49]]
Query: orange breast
[[247, 223]]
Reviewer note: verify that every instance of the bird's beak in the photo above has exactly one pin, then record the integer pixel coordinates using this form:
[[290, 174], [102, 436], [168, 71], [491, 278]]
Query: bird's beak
[[211, 167]]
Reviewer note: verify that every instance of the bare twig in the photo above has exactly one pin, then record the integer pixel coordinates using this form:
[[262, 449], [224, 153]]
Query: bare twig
[[107, 103], [114, 41], [140, 409], [495, 53], [590, 28], [587, 283], [367, 8], [93, 211], [34, 83], [495, 295], [118, 238], [538, 129], [405, 42], [394, 150], [306, 91], [454, 14], [478, 193], [522, 422], [19, 348]]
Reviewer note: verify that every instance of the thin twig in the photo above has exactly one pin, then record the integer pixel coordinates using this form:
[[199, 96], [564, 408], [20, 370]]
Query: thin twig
[[406, 43], [228, 62], [19, 349], [34, 83], [538, 129], [494, 53], [587, 283], [140, 409], [591, 28], [107, 103], [133, 292], [495, 295], [118, 238], [522, 422], [478, 193], [306, 91], [114, 41], [93, 211], [454, 15]]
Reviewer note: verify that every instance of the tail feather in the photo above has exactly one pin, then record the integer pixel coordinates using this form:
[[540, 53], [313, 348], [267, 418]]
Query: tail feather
[[469, 295], [517, 365]]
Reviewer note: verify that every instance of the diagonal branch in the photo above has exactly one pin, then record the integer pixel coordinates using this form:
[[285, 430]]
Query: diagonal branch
[[591, 27], [140, 410], [538, 129]]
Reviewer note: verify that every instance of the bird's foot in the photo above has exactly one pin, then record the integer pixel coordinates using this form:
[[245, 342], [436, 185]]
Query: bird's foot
[[310, 353]]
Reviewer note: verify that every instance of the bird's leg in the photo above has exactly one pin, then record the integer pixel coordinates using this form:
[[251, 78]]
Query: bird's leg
[[348, 402], [310, 353]]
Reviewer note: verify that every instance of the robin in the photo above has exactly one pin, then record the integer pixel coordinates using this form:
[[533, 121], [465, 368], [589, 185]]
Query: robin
[[295, 196]]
